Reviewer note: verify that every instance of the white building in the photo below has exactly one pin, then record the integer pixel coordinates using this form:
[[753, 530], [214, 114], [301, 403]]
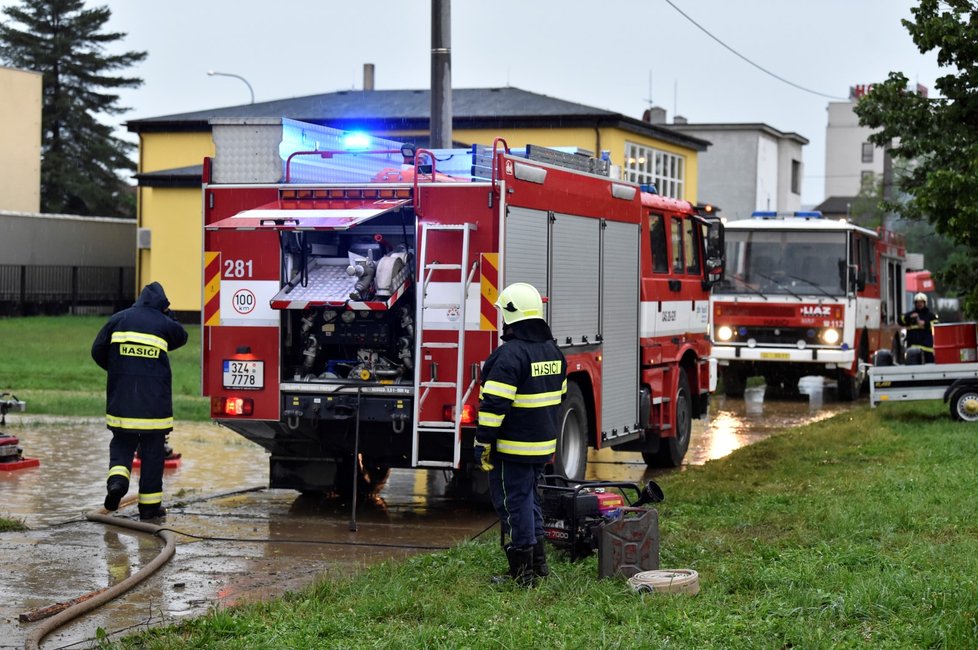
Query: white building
[[851, 161], [748, 167]]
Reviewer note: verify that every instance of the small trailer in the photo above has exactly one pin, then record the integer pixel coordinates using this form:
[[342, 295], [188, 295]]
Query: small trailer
[[953, 378]]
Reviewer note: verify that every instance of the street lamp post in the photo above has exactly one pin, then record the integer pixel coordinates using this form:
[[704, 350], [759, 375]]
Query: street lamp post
[[212, 73]]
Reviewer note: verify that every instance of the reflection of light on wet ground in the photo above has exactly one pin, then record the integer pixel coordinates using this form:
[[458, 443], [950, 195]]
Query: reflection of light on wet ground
[[733, 423]]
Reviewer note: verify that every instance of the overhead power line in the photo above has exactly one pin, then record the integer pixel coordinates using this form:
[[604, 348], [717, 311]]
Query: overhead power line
[[741, 56]]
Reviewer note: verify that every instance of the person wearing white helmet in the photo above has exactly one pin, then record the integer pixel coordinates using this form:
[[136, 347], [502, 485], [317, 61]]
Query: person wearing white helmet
[[523, 383], [919, 322]]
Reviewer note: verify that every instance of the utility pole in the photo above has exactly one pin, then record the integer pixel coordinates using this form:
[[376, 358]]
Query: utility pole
[[441, 74]]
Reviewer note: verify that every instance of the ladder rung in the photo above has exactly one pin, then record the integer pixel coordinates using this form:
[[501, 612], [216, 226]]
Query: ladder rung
[[435, 463], [439, 344], [450, 226], [436, 426], [447, 305], [435, 266], [438, 384]]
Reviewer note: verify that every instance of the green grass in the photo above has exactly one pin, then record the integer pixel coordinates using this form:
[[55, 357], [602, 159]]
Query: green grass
[[860, 531], [8, 525], [47, 362]]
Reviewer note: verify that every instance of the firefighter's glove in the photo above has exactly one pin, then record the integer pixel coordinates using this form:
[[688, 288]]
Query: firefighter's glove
[[483, 451]]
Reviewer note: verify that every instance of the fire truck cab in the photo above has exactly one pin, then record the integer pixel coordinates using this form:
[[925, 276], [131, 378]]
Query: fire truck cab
[[348, 299], [804, 295]]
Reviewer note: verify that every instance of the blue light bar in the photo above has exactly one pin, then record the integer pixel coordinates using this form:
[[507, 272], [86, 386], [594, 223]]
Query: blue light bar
[[771, 214]]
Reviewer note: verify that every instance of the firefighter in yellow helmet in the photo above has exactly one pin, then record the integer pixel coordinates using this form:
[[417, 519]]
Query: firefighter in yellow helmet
[[919, 322], [523, 383]]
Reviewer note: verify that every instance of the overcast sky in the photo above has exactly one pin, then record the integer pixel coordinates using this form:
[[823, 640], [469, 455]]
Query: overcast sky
[[612, 54]]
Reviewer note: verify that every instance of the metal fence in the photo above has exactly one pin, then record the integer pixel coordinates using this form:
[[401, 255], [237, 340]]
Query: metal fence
[[27, 290]]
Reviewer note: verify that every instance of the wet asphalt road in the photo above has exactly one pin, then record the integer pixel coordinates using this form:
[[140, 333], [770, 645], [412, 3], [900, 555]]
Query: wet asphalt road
[[281, 540]]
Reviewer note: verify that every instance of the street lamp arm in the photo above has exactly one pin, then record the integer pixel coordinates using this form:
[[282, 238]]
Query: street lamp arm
[[212, 73]]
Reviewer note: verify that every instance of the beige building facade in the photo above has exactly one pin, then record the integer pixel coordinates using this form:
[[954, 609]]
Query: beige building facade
[[20, 135]]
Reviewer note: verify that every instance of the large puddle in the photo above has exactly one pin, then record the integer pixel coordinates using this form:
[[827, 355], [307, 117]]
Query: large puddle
[[272, 540]]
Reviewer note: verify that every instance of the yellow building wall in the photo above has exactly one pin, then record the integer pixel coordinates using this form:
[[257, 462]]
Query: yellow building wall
[[173, 260], [175, 214], [159, 151], [20, 140]]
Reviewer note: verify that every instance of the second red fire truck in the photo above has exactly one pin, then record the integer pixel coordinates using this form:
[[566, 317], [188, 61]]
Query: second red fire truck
[[349, 285], [804, 295]]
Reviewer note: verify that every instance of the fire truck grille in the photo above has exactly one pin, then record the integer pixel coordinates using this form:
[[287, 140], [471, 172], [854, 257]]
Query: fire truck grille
[[787, 336]]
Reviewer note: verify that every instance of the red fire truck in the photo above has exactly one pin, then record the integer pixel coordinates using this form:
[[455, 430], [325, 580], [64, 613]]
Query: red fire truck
[[804, 295], [348, 290]]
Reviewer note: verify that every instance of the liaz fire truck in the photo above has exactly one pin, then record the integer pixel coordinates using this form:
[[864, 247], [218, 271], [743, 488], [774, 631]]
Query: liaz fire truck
[[804, 295], [349, 286]]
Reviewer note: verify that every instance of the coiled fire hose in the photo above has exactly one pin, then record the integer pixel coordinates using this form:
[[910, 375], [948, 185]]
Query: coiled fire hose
[[99, 598], [666, 581]]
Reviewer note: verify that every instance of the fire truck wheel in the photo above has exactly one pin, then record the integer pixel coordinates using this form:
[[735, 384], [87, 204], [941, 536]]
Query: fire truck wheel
[[846, 387], [572, 439], [734, 382], [672, 450], [964, 404], [370, 477]]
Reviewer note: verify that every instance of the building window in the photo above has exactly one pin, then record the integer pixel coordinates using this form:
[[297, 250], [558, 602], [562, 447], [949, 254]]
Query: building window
[[867, 152], [796, 177], [645, 165], [867, 181]]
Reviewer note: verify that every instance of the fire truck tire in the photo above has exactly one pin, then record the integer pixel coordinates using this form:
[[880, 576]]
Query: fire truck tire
[[734, 382], [846, 388], [672, 450], [570, 460], [964, 404], [370, 477]]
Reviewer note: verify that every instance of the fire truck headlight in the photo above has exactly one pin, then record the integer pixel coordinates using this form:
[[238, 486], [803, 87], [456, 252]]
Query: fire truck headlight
[[830, 336], [724, 333]]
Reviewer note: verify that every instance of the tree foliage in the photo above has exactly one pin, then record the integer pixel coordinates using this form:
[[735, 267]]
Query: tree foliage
[[81, 159], [938, 137]]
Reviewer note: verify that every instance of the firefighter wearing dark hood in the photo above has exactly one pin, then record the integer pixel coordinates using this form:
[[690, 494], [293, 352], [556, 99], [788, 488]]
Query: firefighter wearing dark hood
[[523, 383], [134, 347]]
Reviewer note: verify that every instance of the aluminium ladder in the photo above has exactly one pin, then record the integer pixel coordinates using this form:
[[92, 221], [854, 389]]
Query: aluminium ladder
[[421, 455]]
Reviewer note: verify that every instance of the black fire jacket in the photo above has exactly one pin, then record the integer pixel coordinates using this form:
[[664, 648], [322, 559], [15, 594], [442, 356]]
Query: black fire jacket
[[523, 383], [133, 347]]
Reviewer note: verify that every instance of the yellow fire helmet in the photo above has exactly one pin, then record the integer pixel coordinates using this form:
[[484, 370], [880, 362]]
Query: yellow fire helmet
[[519, 301]]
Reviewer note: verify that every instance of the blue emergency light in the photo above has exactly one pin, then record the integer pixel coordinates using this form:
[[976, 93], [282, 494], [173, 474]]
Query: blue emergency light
[[356, 141]]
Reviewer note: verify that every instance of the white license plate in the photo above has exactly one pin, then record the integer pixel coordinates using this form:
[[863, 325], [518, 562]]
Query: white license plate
[[244, 374]]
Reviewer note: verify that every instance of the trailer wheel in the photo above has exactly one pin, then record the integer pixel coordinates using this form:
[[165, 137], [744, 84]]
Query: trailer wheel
[[673, 450], [964, 405], [570, 459]]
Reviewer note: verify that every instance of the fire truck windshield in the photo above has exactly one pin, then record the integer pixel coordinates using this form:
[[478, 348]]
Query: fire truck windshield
[[794, 262]]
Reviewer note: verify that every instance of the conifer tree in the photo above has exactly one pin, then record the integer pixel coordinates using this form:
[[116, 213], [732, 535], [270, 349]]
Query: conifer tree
[[82, 162]]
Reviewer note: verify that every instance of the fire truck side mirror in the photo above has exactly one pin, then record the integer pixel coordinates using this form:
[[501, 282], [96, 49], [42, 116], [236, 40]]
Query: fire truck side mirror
[[713, 269]]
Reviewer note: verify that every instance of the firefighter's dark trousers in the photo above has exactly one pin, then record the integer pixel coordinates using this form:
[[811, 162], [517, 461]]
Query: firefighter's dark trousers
[[151, 444], [513, 489]]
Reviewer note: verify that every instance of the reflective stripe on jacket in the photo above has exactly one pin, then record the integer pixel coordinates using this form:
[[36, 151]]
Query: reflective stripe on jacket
[[133, 347], [523, 383]]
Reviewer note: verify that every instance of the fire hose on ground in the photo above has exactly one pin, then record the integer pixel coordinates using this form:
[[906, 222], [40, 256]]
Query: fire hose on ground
[[97, 599]]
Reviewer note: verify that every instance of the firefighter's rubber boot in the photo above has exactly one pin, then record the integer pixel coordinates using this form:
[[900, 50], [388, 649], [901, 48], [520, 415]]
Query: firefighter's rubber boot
[[520, 566], [115, 488], [152, 513], [540, 567]]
